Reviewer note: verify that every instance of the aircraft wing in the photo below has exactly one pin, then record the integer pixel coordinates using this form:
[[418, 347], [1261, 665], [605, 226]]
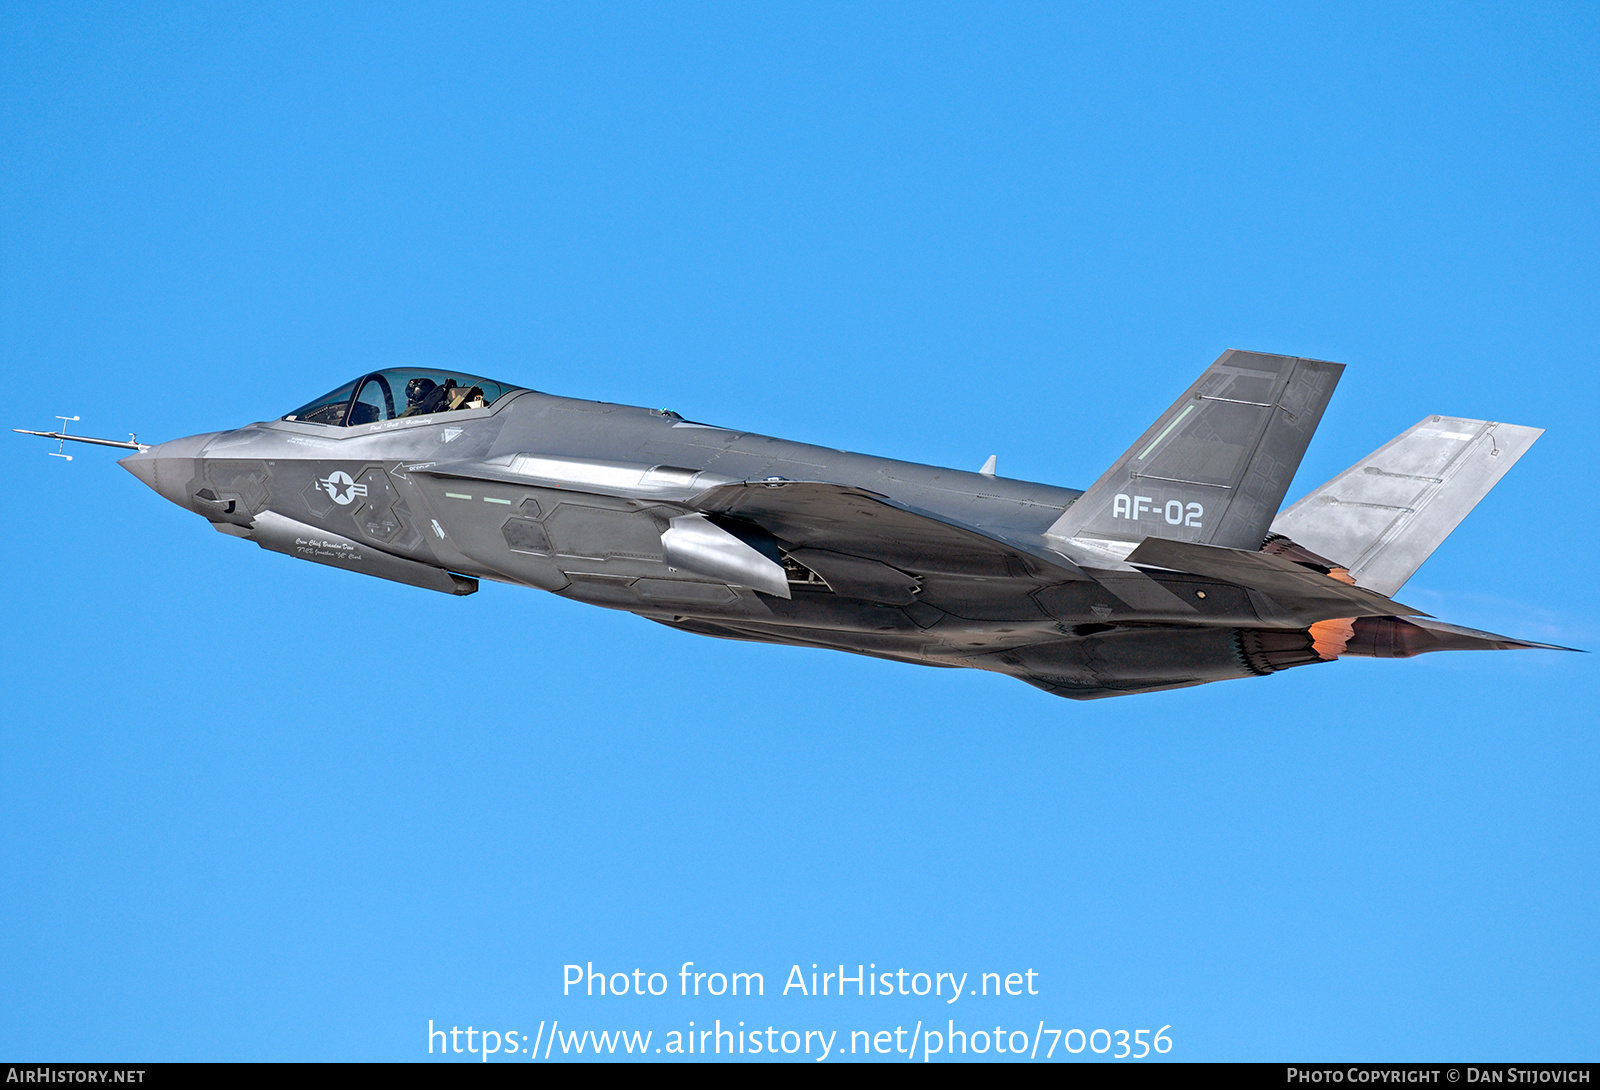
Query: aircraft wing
[[836, 518], [858, 522]]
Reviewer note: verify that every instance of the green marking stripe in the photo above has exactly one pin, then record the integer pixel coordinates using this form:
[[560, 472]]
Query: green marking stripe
[[1187, 409]]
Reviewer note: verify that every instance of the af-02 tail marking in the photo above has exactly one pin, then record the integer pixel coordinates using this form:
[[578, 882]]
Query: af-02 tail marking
[[1214, 467]]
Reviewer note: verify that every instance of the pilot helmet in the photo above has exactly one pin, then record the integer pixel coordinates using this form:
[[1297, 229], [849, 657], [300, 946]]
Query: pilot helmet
[[419, 388]]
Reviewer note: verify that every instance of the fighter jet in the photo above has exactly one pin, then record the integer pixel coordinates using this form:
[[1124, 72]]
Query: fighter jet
[[1175, 568]]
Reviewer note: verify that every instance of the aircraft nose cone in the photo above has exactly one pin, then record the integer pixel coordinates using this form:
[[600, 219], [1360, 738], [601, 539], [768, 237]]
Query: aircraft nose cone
[[143, 466], [169, 467]]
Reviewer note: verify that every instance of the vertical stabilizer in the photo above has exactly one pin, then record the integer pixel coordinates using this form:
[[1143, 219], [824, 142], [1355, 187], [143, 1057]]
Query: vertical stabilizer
[[1214, 468], [1384, 516]]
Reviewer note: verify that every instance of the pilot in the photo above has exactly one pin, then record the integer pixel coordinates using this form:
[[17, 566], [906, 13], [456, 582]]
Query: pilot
[[423, 395]]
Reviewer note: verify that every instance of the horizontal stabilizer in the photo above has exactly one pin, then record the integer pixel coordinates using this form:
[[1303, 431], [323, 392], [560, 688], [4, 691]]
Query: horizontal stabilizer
[[1215, 466], [1384, 516], [1304, 593], [1394, 638]]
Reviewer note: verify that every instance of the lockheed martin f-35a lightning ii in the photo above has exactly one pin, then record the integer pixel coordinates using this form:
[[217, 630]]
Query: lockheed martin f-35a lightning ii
[[1175, 568]]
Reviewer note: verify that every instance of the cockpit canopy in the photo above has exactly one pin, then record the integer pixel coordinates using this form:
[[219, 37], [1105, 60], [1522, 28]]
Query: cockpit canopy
[[401, 392]]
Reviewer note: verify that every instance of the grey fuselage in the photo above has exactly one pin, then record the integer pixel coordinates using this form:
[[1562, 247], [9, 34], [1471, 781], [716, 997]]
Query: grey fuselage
[[627, 507], [592, 538]]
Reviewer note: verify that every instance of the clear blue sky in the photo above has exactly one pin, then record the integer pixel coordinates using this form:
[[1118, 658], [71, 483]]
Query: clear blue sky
[[237, 820]]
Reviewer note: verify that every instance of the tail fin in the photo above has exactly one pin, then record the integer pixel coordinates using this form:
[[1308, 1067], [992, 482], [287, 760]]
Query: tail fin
[[1214, 468], [1384, 516]]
